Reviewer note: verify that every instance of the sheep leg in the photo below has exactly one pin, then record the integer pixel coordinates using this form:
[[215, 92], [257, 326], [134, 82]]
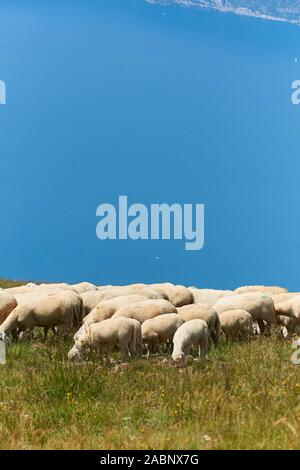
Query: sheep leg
[[63, 331], [261, 326], [268, 329], [156, 346], [216, 334], [147, 350], [15, 333], [124, 346], [203, 348], [46, 329], [125, 353]]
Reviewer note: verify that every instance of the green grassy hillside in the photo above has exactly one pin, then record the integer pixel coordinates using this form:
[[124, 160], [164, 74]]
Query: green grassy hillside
[[247, 396]]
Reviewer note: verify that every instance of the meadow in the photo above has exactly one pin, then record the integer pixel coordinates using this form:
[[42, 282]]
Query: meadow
[[246, 396]]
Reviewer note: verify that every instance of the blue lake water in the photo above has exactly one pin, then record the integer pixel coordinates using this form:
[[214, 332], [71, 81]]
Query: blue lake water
[[159, 103]]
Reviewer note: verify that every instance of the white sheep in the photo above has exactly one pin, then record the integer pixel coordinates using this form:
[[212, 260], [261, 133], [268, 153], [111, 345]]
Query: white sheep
[[277, 298], [146, 309], [178, 295], [122, 332], [289, 308], [208, 296], [236, 324], [191, 333], [63, 310], [139, 289], [204, 312], [271, 290], [291, 324], [83, 287], [160, 330], [7, 304], [259, 305], [91, 299], [107, 308]]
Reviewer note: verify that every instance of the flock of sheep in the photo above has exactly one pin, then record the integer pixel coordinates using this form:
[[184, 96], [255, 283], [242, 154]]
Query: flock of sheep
[[141, 318]]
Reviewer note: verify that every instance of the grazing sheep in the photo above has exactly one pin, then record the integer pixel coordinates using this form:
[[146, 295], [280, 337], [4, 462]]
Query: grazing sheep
[[160, 329], [291, 324], [146, 309], [123, 332], [39, 289], [176, 294], [277, 298], [137, 289], [107, 308], [58, 286], [7, 304], [259, 305], [94, 297], [271, 290], [208, 296], [55, 285], [289, 308], [82, 287], [236, 324], [48, 311], [91, 299], [17, 290], [204, 312], [191, 333]]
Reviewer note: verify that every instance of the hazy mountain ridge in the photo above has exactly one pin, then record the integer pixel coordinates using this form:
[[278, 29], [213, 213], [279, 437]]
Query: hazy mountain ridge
[[280, 10]]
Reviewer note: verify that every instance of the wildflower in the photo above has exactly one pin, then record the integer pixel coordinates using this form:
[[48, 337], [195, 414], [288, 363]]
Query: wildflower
[[70, 398]]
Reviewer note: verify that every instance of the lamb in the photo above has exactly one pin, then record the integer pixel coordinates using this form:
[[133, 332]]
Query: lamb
[[146, 309], [107, 308], [160, 329], [52, 310], [204, 312], [236, 324], [271, 290], [7, 303], [208, 296], [176, 294], [193, 332], [123, 332], [259, 305]]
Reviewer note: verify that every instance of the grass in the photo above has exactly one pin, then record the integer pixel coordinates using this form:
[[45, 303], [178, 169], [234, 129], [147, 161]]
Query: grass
[[247, 396], [6, 283]]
